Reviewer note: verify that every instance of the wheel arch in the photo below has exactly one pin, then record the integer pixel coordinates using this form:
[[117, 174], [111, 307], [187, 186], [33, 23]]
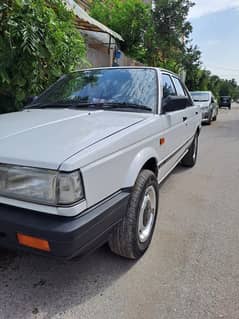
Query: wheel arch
[[145, 159]]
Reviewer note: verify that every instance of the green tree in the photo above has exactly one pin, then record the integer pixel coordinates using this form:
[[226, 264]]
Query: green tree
[[229, 87], [191, 64], [130, 18], [38, 42], [171, 32]]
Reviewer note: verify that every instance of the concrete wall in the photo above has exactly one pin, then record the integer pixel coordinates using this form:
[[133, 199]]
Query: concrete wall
[[98, 55]]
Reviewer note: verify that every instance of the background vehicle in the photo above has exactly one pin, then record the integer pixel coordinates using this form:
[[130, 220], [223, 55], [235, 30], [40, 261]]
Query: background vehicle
[[81, 165], [208, 105], [225, 101]]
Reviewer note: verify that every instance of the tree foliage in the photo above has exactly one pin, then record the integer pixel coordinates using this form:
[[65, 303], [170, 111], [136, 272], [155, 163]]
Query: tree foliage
[[155, 37], [161, 37], [171, 32], [203, 80], [38, 42], [130, 18]]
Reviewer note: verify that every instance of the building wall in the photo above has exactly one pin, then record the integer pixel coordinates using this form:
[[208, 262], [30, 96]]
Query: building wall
[[98, 55]]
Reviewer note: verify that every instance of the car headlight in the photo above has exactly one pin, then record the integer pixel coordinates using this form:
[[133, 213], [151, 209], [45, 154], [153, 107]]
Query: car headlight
[[40, 185]]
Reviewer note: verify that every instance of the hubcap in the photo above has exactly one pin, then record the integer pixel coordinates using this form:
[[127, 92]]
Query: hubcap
[[147, 214]]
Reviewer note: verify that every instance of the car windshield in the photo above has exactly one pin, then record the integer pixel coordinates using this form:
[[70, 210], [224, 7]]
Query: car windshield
[[225, 98], [121, 88], [200, 97]]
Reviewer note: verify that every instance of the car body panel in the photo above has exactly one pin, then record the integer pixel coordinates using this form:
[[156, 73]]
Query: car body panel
[[45, 138], [109, 147]]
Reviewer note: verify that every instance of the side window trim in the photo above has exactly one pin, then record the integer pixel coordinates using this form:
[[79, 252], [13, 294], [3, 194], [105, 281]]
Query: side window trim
[[170, 77], [182, 88]]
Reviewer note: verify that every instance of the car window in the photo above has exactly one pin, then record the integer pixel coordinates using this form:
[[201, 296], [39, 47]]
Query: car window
[[179, 88], [168, 86]]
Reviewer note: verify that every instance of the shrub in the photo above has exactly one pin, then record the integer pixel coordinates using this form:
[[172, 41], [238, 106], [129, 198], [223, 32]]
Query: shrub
[[38, 42]]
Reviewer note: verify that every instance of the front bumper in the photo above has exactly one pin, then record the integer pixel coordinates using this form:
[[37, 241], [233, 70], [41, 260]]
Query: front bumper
[[205, 115], [67, 236], [225, 104]]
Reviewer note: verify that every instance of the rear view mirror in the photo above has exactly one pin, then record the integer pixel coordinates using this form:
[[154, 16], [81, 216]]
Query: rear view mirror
[[175, 103]]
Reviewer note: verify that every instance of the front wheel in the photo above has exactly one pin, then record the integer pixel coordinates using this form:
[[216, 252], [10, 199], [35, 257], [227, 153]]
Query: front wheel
[[190, 158], [132, 236]]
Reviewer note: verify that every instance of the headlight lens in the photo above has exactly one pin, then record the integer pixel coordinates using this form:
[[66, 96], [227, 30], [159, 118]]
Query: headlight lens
[[39, 185]]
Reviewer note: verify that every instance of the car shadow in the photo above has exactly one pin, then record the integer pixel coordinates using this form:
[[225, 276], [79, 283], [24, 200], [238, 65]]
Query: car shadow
[[34, 284]]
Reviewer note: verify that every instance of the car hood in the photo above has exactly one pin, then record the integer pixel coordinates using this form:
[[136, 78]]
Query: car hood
[[46, 137]]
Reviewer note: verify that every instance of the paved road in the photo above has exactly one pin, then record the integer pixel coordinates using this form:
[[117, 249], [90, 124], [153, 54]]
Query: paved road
[[190, 271]]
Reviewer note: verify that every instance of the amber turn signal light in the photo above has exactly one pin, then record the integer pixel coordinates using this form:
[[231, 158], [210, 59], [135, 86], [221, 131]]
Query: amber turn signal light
[[33, 242], [162, 140]]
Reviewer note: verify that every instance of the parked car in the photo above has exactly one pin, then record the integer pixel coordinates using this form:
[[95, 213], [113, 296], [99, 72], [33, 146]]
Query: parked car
[[81, 165], [225, 101], [208, 105]]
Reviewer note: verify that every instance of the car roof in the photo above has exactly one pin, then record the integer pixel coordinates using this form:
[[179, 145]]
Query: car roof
[[129, 67]]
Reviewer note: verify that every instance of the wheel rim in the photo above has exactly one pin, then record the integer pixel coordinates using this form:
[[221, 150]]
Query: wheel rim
[[147, 214], [195, 148]]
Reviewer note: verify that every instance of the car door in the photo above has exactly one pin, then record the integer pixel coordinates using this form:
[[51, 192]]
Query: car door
[[174, 131], [192, 112]]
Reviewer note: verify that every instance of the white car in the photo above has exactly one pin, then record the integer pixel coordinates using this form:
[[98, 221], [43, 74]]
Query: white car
[[81, 165], [208, 105]]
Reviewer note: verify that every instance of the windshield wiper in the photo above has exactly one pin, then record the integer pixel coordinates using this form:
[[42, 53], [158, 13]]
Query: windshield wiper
[[96, 105], [111, 105], [63, 104], [125, 105], [48, 105]]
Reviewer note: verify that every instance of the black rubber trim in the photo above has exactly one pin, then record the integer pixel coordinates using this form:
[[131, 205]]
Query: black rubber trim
[[67, 236], [174, 153]]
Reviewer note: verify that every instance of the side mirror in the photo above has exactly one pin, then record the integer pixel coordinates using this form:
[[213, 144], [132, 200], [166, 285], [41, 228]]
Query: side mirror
[[30, 100], [175, 103]]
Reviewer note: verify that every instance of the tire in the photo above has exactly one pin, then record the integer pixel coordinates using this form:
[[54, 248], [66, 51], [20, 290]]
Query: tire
[[129, 239], [190, 158], [209, 121], [214, 118]]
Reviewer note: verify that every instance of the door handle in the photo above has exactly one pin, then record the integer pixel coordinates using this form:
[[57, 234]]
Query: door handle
[[185, 118], [196, 113]]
